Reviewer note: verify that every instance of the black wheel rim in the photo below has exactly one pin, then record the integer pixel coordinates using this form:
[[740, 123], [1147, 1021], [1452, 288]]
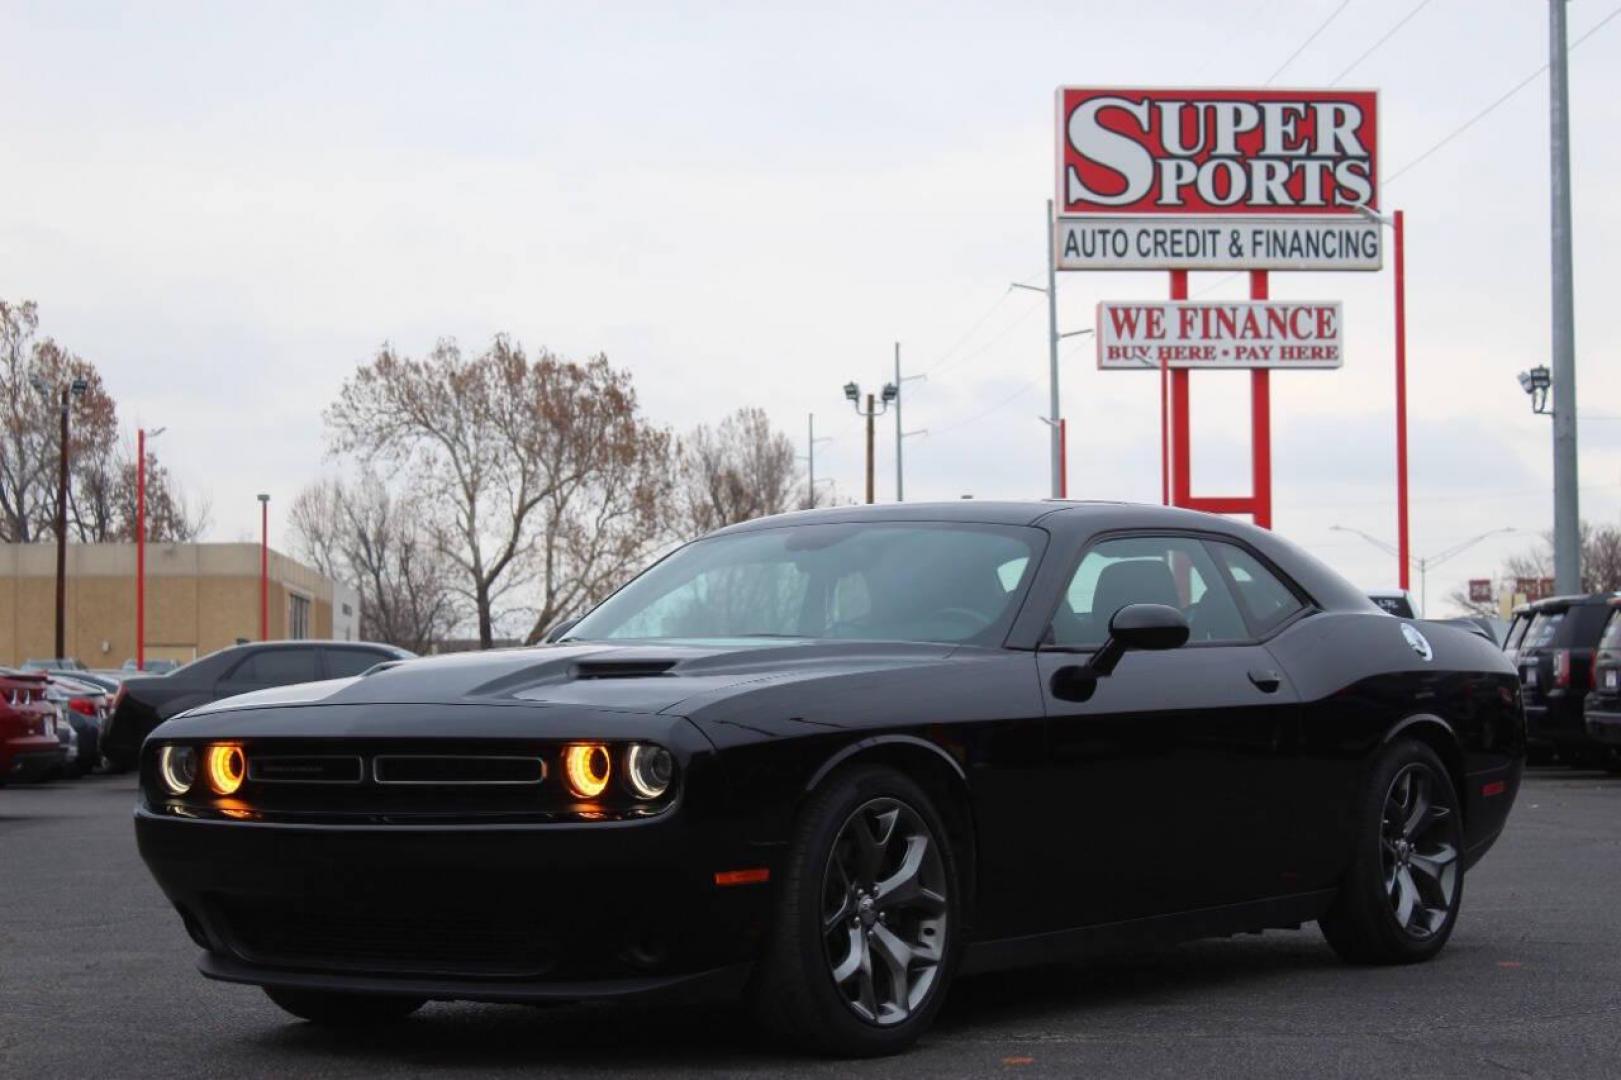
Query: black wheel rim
[[884, 911], [1419, 852]]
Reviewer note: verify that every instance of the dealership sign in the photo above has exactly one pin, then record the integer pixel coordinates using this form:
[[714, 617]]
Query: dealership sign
[[1254, 334], [1217, 179]]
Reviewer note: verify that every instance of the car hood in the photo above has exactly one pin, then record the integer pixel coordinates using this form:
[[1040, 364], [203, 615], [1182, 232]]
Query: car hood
[[643, 678]]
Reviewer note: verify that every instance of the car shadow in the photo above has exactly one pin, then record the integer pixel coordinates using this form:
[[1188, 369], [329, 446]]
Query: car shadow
[[636, 1037]]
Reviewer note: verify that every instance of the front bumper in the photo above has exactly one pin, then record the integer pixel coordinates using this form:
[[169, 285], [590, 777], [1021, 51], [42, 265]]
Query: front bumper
[[487, 912]]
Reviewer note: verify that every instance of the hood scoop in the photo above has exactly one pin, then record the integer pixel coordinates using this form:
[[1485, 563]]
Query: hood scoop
[[622, 669]]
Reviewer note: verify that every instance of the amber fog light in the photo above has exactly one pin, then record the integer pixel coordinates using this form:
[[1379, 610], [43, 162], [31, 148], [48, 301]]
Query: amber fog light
[[177, 765], [225, 768], [587, 765], [649, 769]]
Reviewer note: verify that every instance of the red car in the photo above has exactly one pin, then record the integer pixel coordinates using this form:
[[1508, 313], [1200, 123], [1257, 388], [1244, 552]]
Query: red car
[[28, 744]]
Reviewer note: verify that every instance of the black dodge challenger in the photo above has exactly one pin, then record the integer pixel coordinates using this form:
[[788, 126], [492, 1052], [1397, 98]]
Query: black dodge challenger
[[832, 759]]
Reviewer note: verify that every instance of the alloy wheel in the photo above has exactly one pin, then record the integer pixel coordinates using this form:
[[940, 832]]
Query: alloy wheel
[[1418, 851], [884, 906]]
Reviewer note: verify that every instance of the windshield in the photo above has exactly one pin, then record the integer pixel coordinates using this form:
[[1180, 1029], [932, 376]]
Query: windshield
[[948, 583]]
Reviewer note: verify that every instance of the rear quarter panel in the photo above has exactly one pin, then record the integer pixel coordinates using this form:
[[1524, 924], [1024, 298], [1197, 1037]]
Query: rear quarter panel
[[1362, 685]]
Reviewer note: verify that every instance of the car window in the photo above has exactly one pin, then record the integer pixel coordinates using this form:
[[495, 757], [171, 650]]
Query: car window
[[344, 663], [1269, 601], [1544, 625], [900, 582], [1612, 632], [1171, 570], [278, 667]]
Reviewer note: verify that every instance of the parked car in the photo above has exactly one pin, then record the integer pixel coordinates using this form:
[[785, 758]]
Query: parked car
[[86, 706], [1555, 659], [1602, 709], [54, 663], [29, 747], [106, 682], [825, 760], [67, 734], [153, 667], [143, 702], [1397, 602]]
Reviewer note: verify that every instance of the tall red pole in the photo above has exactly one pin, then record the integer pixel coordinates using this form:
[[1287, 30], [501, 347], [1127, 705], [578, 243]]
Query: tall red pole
[[1403, 550], [1179, 291], [140, 549], [1063, 458], [264, 568], [1261, 422]]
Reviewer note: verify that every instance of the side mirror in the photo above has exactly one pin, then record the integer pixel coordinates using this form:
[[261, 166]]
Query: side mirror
[[557, 631], [1135, 626]]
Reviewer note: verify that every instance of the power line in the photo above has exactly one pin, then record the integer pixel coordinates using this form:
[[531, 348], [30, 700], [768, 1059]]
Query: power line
[[1489, 109], [1002, 404], [1309, 39], [1405, 19]]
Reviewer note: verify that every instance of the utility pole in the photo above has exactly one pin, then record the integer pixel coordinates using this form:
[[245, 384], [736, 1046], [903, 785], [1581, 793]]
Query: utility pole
[[264, 567], [810, 458], [901, 435], [1567, 544], [870, 414]]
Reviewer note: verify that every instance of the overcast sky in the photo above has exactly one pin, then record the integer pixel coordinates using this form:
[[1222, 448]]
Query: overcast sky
[[228, 206]]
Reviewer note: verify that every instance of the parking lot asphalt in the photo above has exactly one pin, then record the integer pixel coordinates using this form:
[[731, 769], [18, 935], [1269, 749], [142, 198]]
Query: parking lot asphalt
[[97, 979]]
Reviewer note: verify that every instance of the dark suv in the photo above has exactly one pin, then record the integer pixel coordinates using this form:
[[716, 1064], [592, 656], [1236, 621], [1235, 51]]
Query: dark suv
[[1603, 708], [141, 704], [1555, 659]]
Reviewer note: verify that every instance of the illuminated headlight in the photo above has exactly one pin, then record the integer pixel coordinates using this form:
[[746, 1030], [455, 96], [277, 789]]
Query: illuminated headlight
[[587, 766], [649, 770], [226, 768], [177, 765]]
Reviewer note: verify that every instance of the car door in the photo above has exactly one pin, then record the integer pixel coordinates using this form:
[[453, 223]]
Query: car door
[[278, 665], [1166, 778]]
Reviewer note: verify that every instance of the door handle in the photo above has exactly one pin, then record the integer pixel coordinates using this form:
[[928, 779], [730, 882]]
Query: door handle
[[1266, 680]]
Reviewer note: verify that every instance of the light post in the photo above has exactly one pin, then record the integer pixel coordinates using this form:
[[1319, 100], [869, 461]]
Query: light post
[[264, 567], [1425, 562], [852, 393], [140, 545], [1536, 383], [1398, 227], [74, 389]]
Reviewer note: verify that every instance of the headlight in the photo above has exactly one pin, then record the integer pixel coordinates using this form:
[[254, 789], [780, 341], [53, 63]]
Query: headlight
[[178, 767], [649, 769], [225, 768], [587, 767]]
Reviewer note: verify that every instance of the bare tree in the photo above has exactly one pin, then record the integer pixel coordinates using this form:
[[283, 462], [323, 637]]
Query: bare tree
[[528, 470], [740, 470], [368, 538], [1601, 566], [101, 483]]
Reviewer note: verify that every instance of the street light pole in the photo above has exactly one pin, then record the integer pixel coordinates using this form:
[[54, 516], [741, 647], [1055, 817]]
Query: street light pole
[[62, 533], [1567, 544], [1425, 562], [264, 567], [1057, 439], [852, 393]]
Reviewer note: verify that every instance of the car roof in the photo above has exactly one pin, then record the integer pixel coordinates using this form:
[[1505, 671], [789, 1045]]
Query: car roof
[[1561, 603]]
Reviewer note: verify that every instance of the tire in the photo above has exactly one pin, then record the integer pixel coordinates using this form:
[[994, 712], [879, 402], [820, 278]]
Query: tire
[[329, 1008], [1400, 897], [870, 888]]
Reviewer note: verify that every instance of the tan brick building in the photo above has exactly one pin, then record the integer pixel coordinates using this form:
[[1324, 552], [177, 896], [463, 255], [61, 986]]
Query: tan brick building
[[199, 597]]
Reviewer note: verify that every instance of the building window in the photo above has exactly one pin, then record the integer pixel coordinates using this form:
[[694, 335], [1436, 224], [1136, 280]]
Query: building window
[[298, 617]]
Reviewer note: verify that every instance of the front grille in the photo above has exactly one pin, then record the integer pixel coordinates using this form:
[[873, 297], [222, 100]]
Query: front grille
[[305, 768], [457, 769], [384, 937]]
